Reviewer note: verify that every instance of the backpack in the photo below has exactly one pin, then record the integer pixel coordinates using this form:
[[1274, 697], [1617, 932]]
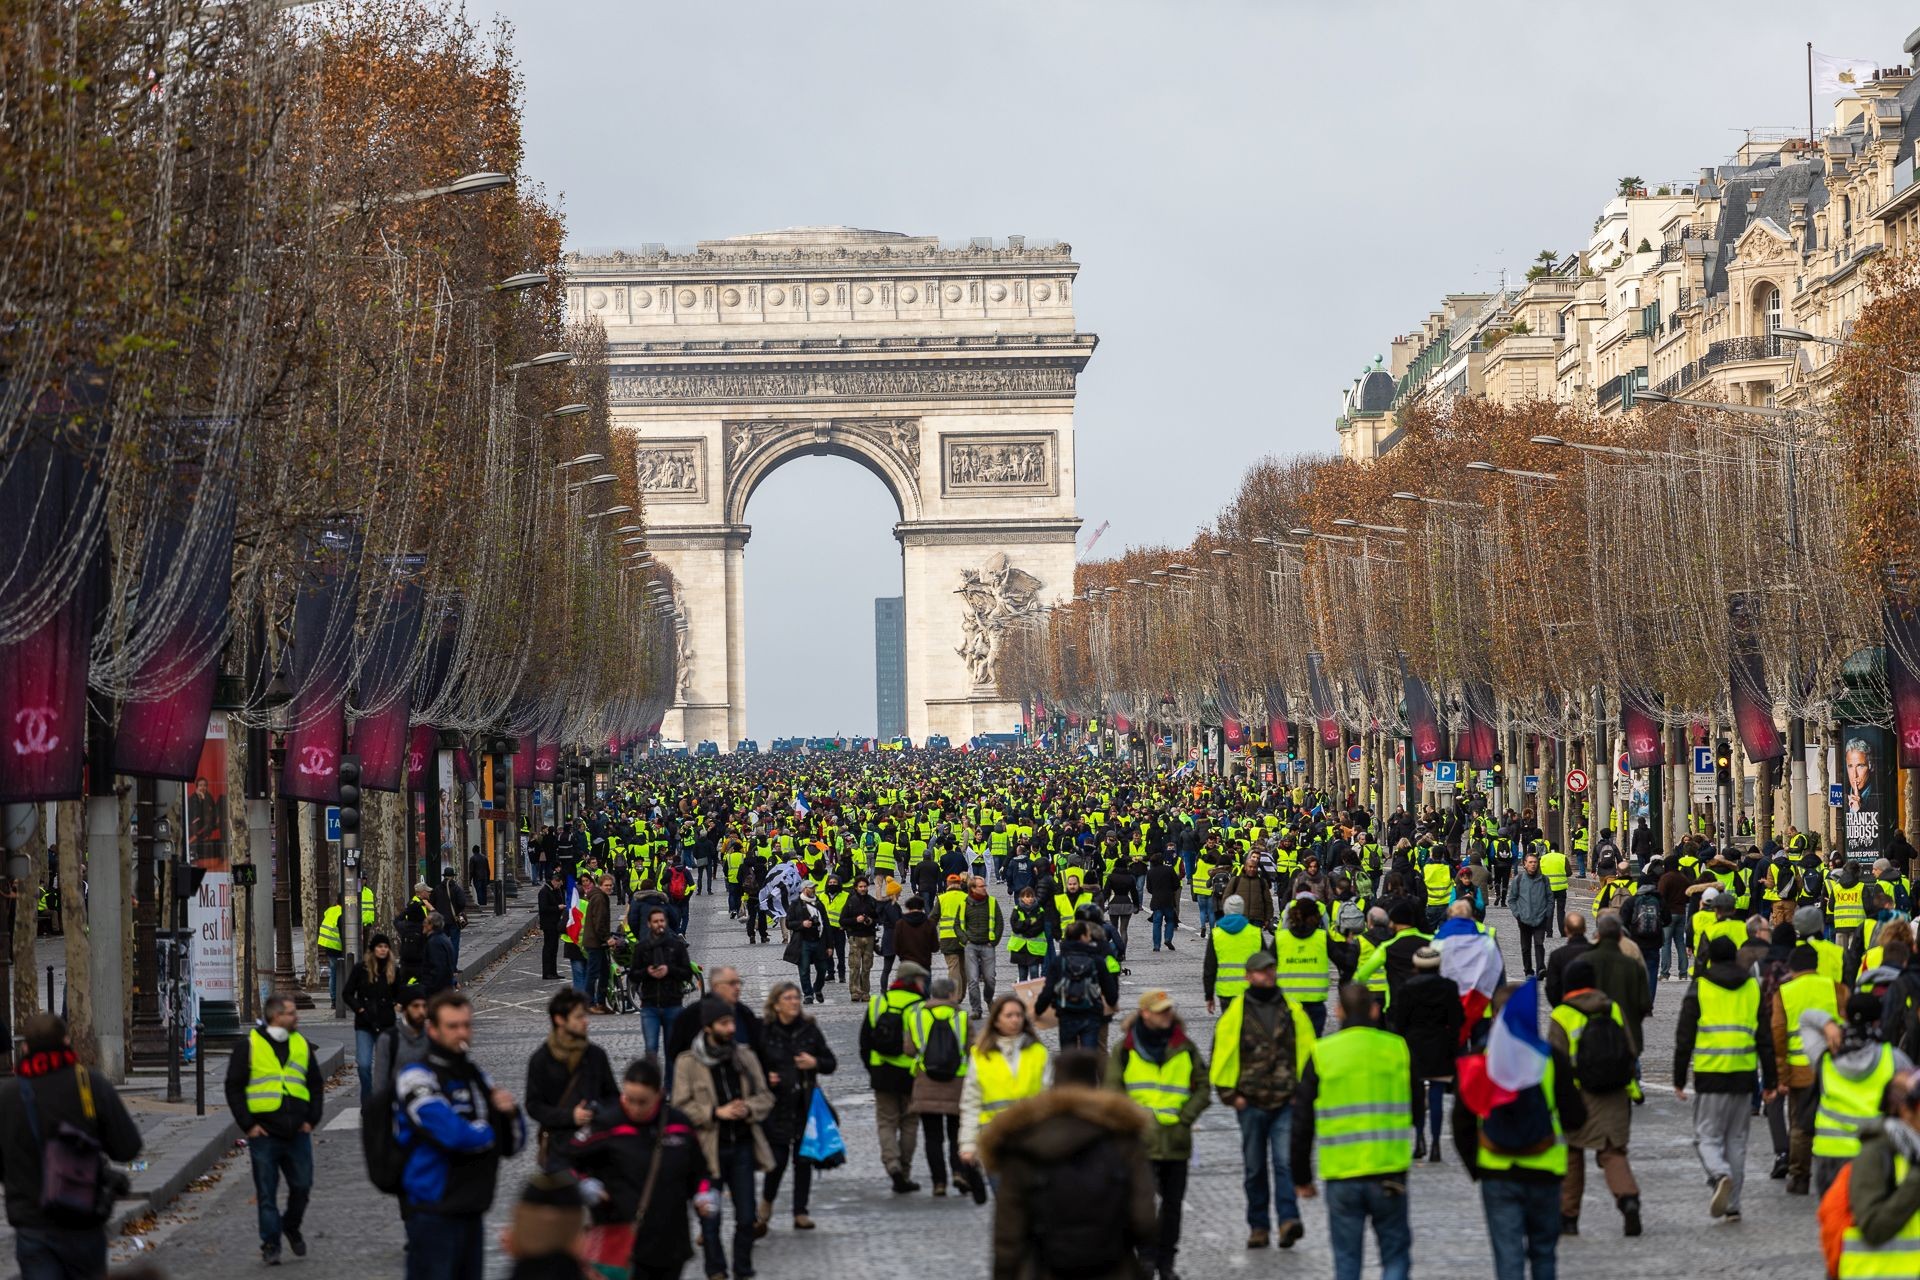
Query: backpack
[[1604, 1060], [77, 1184], [1523, 1127], [677, 882], [1073, 1232], [1646, 916], [889, 1036], [1077, 989], [940, 1056], [386, 1158]]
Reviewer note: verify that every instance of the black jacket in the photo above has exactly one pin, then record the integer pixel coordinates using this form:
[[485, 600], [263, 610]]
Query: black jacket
[[293, 1113], [668, 949], [440, 970], [1426, 1013], [1109, 981], [1163, 887], [56, 1098], [372, 1000], [857, 907], [553, 908], [793, 1093], [1555, 984], [553, 1092], [619, 1153]]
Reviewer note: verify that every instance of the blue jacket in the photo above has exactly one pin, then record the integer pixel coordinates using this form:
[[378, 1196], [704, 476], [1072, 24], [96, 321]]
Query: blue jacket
[[454, 1138]]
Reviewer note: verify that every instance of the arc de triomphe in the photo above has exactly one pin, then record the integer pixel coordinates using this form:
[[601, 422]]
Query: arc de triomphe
[[947, 372]]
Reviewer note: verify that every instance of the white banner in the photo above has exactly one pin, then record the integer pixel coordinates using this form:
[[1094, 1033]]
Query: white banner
[[1841, 77], [210, 918]]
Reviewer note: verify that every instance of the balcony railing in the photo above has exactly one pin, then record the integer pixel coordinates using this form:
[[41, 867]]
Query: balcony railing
[[1734, 350], [1611, 390]]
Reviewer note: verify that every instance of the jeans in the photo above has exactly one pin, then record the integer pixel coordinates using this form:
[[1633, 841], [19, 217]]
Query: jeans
[[334, 965], [1170, 1184], [1316, 1011], [59, 1253], [1436, 1108], [579, 970], [1533, 947], [1350, 1202], [1652, 958], [656, 1022], [440, 1247], [1523, 1219], [812, 959], [737, 1179], [1207, 913], [1265, 1139], [1675, 945], [1080, 1031], [271, 1158], [785, 1153], [597, 976], [363, 1059], [453, 936], [480, 890], [1165, 922]]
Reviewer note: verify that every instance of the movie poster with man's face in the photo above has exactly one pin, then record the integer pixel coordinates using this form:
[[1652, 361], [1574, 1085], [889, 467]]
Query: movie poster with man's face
[[1865, 809]]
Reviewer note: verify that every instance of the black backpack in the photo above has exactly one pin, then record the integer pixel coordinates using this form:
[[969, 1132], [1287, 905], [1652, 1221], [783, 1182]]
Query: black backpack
[[889, 1037], [1523, 1127], [1077, 990], [1073, 1202], [1604, 1060], [386, 1158], [1646, 916], [940, 1056]]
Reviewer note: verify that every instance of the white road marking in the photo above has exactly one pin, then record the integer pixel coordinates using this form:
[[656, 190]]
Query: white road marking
[[349, 1118]]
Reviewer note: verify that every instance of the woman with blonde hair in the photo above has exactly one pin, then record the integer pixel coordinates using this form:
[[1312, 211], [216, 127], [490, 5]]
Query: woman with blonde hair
[[1007, 1063]]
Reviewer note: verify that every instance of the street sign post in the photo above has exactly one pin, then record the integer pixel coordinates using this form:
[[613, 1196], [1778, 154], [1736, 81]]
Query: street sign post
[[1702, 788], [333, 823], [1836, 794], [1576, 780], [1530, 783], [1446, 772]]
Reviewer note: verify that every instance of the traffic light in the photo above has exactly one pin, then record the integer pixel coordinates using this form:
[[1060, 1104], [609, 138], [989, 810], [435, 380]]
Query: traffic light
[[349, 801], [1499, 768], [1723, 760]]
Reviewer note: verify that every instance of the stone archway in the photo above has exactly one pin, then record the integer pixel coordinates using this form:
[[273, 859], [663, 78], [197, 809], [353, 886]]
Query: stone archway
[[948, 373]]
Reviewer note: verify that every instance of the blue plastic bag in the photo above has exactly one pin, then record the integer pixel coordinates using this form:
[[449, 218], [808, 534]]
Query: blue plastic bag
[[822, 1146]]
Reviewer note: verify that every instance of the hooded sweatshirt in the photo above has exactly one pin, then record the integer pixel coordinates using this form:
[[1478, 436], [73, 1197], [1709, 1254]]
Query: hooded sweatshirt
[[1209, 964]]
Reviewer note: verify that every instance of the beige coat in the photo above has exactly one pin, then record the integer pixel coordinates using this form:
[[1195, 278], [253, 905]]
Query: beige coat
[[694, 1094]]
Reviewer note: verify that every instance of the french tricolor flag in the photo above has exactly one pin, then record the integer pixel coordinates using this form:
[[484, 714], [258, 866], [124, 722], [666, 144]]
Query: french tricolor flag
[[1516, 1056]]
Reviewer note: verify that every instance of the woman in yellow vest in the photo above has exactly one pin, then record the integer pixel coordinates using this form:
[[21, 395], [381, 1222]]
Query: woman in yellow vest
[[1006, 1064]]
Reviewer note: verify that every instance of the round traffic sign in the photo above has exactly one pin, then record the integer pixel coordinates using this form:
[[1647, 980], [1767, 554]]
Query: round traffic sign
[[1623, 765], [1353, 755], [1576, 780]]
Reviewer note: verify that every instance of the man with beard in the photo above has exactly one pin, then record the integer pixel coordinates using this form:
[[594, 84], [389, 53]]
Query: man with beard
[[720, 1087]]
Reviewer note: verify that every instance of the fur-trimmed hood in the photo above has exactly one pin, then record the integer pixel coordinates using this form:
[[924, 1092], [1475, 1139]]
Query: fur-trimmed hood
[[1053, 1126]]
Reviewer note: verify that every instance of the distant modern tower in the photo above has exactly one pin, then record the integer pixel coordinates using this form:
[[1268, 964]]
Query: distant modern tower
[[890, 664]]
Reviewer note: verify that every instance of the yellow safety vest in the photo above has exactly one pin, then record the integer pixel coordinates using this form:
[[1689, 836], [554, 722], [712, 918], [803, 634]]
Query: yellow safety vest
[[902, 1002], [1162, 1088], [330, 930], [1896, 1259], [366, 906], [1849, 906], [1225, 1068], [950, 903], [1302, 967], [1231, 951], [1553, 1160], [1846, 1104], [920, 1021], [1553, 866], [1724, 1041], [1363, 1113], [1797, 995], [1000, 1085], [269, 1081], [1439, 879], [1376, 981], [1064, 905]]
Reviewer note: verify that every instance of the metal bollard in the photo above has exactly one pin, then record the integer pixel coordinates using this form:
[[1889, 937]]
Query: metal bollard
[[51, 1006], [199, 1069]]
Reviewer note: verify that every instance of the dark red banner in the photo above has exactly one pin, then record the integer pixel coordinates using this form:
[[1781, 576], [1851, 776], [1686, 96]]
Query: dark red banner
[[323, 614], [546, 761], [1423, 719], [1900, 623], [1481, 741], [1322, 701], [380, 736], [1646, 744], [1747, 680], [422, 742], [1279, 729]]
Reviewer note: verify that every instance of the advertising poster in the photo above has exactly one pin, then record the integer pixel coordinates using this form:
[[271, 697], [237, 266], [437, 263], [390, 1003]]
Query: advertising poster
[[207, 800], [1866, 776], [210, 920]]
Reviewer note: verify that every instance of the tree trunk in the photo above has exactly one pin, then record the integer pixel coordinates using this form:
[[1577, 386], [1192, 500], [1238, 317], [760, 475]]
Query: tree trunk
[[309, 817], [26, 985], [73, 920]]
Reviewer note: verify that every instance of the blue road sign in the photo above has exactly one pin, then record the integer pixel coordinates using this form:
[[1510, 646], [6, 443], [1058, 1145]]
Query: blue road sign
[[1531, 784], [1446, 772], [333, 822], [1836, 794], [1703, 760]]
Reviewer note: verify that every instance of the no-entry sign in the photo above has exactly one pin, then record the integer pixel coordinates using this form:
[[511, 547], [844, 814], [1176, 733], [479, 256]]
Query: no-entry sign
[[1576, 780]]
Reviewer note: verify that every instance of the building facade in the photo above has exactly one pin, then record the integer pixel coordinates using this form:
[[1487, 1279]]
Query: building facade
[[1682, 286], [890, 665]]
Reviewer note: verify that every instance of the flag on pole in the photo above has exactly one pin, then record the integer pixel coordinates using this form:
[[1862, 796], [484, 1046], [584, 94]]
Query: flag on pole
[[1838, 76], [800, 805], [1088, 549], [576, 914]]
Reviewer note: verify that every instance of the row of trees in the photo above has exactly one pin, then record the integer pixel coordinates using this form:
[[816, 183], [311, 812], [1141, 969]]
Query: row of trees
[[292, 424], [1493, 557]]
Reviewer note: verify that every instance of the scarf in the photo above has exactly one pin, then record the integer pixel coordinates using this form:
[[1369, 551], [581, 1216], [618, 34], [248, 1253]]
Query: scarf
[[566, 1048], [45, 1062], [707, 1055]]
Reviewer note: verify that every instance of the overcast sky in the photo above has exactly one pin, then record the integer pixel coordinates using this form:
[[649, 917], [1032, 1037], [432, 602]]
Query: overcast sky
[[1260, 195]]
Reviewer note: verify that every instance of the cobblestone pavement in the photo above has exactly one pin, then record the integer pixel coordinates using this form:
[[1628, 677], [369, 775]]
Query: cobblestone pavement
[[865, 1230]]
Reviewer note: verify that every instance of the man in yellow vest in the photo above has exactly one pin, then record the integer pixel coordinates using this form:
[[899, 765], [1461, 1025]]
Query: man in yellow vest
[[1260, 1048], [1356, 1095], [331, 948], [1553, 865], [887, 1048], [1805, 989], [276, 1096], [953, 948], [1159, 1067], [1850, 1084], [1884, 1241], [1609, 1103], [1720, 1041]]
